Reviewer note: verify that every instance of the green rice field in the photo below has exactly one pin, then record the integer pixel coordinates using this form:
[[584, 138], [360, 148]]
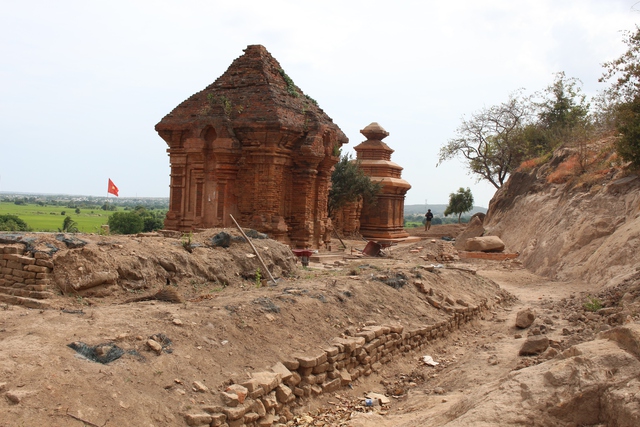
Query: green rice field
[[50, 218]]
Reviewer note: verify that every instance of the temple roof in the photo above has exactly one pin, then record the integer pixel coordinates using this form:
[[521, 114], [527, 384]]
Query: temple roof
[[254, 91]]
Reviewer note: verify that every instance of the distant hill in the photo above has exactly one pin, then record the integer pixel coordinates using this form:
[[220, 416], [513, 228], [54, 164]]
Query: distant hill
[[437, 209]]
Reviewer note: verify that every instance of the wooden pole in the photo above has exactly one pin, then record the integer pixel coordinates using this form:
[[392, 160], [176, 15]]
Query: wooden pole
[[338, 236], [255, 251]]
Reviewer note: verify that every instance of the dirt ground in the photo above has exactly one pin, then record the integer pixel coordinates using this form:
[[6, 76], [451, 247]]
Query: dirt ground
[[231, 321]]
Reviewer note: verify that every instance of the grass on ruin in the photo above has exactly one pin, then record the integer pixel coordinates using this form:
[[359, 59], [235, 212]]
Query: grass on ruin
[[50, 218]]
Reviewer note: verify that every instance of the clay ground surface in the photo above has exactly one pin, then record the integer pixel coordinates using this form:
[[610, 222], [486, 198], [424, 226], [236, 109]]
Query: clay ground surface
[[229, 325]]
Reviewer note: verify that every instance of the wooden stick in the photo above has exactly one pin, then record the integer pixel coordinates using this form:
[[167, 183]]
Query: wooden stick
[[254, 249], [338, 236], [82, 421]]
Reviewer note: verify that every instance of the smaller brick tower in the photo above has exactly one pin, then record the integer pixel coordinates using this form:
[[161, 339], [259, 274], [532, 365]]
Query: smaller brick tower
[[385, 219]]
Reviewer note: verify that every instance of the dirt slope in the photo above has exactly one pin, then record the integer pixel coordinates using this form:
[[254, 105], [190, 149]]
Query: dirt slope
[[586, 226], [229, 324]]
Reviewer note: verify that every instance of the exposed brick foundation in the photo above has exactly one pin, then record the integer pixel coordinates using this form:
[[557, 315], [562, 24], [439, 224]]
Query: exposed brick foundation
[[266, 399], [24, 278]]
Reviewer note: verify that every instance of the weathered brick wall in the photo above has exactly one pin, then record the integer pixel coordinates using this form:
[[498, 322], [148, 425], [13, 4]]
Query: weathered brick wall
[[24, 278], [266, 399]]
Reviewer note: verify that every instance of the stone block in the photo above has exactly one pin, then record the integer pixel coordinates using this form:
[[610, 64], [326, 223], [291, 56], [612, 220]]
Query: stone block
[[348, 344], [45, 263], [270, 401], [332, 351], [218, 420], [308, 379], [26, 260], [534, 345], [331, 385], [345, 377], [239, 391], [377, 330], [235, 413], [201, 419], [280, 368], [484, 244], [266, 421], [305, 371], [525, 318], [370, 346], [367, 335], [284, 394], [312, 361], [266, 380], [333, 375], [213, 409], [294, 380], [319, 369], [36, 269], [258, 407], [229, 399], [291, 364], [14, 265], [250, 417]]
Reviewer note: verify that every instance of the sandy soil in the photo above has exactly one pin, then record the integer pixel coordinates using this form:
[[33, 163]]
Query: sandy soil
[[218, 335]]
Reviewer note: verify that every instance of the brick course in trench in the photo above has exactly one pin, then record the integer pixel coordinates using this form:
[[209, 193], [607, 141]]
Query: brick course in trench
[[267, 398]]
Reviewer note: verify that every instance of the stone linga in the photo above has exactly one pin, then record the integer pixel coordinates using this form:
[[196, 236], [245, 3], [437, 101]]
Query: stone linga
[[254, 146]]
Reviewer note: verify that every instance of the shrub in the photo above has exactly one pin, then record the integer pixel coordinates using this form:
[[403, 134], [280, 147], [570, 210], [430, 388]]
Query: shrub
[[125, 223], [628, 123], [10, 222], [593, 304]]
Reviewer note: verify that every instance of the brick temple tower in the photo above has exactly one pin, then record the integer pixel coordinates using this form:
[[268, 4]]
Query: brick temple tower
[[385, 219], [253, 145]]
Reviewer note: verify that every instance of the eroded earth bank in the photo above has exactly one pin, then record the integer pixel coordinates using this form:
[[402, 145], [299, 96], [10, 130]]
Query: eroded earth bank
[[224, 326]]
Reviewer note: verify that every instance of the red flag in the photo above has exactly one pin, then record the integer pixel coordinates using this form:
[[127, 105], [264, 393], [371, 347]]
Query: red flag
[[112, 188]]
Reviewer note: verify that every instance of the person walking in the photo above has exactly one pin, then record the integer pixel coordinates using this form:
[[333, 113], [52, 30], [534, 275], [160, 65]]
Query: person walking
[[428, 217]]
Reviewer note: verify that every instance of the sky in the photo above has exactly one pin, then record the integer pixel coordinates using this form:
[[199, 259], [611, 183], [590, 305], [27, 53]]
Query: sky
[[83, 83]]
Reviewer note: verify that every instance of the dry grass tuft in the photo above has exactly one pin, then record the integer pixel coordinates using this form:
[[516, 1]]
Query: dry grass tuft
[[565, 170]]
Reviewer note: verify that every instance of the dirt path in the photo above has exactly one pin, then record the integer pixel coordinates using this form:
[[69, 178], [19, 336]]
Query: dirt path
[[474, 359]]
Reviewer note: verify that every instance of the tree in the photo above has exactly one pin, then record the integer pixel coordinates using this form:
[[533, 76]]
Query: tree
[[563, 107], [10, 222], [562, 118], [69, 225], [126, 223], [491, 140], [151, 220], [625, 70], [350, 184], [459, 203], [625, 90]]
